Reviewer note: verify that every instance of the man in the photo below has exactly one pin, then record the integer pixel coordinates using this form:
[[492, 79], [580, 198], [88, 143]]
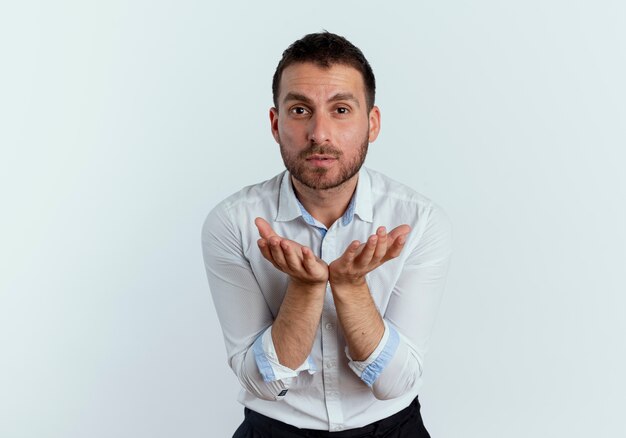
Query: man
[[327, 278]]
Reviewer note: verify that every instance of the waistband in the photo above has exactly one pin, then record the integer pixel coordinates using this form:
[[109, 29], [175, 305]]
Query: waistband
[[268, 425]]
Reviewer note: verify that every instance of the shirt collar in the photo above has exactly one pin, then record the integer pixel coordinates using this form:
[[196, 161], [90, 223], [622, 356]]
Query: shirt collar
[[363, 206], [290, 208]]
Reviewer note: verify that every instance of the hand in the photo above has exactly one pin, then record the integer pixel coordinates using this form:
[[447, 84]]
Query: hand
[[295, 260], [362, 258]]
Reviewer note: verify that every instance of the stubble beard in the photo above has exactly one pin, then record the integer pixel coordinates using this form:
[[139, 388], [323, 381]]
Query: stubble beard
[[316, 178]]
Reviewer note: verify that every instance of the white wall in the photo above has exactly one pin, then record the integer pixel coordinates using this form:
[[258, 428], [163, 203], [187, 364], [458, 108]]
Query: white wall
[[123, 122]]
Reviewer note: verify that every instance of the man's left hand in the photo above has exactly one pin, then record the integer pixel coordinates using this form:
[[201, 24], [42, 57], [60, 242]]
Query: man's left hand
[[362, 258]]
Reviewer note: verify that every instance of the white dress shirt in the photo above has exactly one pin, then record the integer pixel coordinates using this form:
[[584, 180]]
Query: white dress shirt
[[329, 391]]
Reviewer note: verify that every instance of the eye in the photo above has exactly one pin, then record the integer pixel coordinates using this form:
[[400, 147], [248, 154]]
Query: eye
[[342, 110], [299, 110]]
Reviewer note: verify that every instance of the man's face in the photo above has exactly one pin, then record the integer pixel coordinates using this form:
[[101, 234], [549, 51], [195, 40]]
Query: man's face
[[322, 124]]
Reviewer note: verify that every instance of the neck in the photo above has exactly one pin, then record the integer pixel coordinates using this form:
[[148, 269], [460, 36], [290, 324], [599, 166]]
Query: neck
[[326, 205]]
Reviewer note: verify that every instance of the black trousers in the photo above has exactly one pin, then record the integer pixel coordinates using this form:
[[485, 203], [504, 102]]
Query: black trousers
[[405, 424]]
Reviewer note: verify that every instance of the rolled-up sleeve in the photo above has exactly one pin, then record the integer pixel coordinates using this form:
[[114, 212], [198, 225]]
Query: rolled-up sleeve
[[243, 313], [269, 366], [396, 365]]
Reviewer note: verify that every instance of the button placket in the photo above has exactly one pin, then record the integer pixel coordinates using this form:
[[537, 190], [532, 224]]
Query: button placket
[[330, 346]]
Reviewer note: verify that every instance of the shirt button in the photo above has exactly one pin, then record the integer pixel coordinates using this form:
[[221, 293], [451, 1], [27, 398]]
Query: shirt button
[[330, 364], [329, 326]]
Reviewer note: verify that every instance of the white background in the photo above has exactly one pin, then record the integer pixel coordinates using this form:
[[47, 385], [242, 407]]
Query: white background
[[122, 123]]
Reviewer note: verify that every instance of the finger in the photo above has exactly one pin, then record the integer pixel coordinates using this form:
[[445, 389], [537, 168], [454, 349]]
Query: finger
[[381, 246], [401, 230], [265, 230], [398, 231], [396, 248], [265, 251], [309, 261], [277, 253], [365, 257], [292, 258], [351, 252]]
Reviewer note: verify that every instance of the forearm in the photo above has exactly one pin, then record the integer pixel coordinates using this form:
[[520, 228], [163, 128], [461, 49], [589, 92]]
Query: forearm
[[295, 327], [359, 318], [382, 360]]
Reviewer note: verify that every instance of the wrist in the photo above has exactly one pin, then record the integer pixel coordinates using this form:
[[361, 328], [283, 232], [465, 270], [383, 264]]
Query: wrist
[[348, 290], [347, 281], [307, 286]]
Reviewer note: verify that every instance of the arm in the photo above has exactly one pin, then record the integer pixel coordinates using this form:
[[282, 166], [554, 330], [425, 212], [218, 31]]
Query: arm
[[294, 329], [244, 315], [414, 304], [361, 322], [240, 306], [395, 366]]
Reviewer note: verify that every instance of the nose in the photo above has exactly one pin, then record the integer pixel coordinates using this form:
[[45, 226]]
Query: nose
[[319, 128]]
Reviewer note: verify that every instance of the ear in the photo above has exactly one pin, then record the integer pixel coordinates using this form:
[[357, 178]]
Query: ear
[[274, 123], [374, 119]]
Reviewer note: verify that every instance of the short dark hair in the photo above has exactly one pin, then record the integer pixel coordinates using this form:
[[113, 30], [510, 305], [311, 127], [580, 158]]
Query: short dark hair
[[326, 49]]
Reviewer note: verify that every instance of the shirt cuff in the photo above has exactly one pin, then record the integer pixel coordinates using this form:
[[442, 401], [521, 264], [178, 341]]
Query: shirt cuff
[[369, 369], [268, 364]]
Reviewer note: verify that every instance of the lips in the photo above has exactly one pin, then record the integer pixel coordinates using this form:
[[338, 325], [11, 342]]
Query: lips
[[322, 157], [321, 160]]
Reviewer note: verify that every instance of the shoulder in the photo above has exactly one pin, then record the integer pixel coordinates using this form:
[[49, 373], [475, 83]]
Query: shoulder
[[403, 204], [392, 193], [254, 200], [261, 193]]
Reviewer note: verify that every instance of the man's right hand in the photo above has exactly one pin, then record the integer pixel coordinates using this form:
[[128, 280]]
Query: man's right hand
[[295, 260]]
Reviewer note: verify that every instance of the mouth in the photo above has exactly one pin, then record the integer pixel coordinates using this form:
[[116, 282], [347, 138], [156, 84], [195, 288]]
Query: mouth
[[320, 157], [321, 160]]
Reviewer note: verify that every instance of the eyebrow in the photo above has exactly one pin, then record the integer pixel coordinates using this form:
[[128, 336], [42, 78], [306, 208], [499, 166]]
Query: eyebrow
[[337, 97]]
